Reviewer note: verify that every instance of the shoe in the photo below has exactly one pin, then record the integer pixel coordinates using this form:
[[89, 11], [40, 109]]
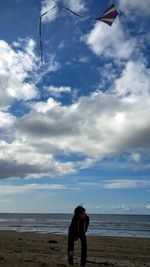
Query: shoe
[[70, 260], [70, 257]]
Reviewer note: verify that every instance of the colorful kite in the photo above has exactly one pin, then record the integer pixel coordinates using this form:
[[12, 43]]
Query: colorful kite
[[107, 17]]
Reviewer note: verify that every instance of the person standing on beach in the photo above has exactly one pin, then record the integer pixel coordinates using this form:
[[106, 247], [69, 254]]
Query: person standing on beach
[[77, 230]]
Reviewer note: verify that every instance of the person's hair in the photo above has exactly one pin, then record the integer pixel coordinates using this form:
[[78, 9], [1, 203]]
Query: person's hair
[[78, 210]]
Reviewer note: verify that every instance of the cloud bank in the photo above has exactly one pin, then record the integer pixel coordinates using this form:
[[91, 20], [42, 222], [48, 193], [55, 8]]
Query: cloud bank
[[98, 125]]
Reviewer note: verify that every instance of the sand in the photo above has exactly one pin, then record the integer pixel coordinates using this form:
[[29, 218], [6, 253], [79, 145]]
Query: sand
[[46, 250]]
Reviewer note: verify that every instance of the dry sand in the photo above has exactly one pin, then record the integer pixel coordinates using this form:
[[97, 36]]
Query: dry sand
[[46, 250]]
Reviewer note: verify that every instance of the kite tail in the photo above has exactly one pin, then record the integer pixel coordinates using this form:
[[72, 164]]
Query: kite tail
[[41, 45], [40, 25], [39, 33], [107, 17]]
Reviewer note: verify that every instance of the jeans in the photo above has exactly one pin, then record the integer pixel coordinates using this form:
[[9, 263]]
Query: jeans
[[82, 238]]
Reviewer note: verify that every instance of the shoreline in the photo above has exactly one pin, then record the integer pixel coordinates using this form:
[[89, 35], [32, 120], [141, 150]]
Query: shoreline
[[30, 249], [142, 236], [65, 234]]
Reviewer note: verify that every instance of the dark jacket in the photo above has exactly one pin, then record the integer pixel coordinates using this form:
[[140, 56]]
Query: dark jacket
[[78, 226]]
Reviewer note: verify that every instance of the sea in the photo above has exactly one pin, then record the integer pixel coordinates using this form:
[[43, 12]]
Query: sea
[[100, 224]]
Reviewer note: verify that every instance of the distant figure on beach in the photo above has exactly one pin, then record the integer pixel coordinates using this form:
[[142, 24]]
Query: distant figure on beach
[[77, 230]]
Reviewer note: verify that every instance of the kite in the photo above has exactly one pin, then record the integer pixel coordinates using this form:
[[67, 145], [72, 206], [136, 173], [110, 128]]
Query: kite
[[107, 17]]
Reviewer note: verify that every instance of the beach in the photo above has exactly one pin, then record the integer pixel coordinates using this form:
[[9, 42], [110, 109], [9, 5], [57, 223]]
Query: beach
[[48, 250]]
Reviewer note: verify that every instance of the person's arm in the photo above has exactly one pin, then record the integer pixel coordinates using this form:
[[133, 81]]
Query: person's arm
[[73, 225], [87, 222]]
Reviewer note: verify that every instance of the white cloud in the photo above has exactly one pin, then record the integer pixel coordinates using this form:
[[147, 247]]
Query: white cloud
[[43, 107], [57, 91], [115, 124], [87, 163], [125, 184], [99, 125], [77, 6], [47, 5], [135, 80], [17, 62], [83, 59], [20, 71], [89, 184], [96, 126], [20, 159], [121, 208], [6, 120], [48, 65], [147, 207], [111, 42], [15, 67], [142, 7], [135, 157], [7, 126], [28, 188]]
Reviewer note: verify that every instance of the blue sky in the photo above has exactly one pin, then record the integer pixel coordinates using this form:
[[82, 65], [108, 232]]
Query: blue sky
[[75, 128]]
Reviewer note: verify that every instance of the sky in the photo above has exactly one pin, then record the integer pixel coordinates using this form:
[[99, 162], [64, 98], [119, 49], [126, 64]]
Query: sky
[[75, 128]]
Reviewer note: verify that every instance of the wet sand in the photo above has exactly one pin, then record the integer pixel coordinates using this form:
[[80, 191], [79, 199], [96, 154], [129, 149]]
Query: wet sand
[[47, 250]]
